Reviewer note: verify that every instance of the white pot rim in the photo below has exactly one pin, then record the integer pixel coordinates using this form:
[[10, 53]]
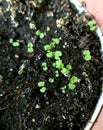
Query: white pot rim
[[99, 105]]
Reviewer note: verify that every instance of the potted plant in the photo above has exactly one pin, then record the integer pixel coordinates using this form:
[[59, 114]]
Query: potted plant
[[51, 66]]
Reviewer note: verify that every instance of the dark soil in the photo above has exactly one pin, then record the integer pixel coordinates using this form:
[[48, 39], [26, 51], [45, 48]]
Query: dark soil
[[22, 105]]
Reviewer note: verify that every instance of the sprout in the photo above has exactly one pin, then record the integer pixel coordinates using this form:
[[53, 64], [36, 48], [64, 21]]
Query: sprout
[[51, 80], [56, 73], [69, 67], [49, 54], [71, 86], [47, 47], [40, 34], [43, 90], [87, 55], [11, 40], [30, 47], [57, 54], [59, 64], [64, 71], [41, 84], [64, 87], [30, 50], [15, 44], [44, 65], [91, 25], [74, 79], [56, 40]]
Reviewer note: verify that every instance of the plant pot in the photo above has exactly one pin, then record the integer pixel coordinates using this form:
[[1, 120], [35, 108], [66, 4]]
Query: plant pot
[[51, 67], [96, 122]]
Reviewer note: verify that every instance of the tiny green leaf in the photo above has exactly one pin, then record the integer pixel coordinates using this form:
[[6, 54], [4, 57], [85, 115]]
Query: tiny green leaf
[[41, 84], [11, 40], [56, 40], [30, 50], [49, 54], [74, 79], [15, 44], [51, 80], [71, 86], [30, 45], [41, 35], [43, 90]]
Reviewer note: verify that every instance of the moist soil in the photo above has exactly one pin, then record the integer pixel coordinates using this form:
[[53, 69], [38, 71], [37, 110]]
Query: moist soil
[[22, 105]]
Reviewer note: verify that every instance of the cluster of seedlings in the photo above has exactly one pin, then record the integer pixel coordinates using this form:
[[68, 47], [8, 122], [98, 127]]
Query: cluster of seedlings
[[58, 63]]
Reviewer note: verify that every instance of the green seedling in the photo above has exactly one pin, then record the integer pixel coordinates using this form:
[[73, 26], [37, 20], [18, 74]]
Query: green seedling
[[40, 34], [69, 67], [52, 44], [43, 90], [51, 80], [56, 40], [14, 43], [87, 55], [11, 40], [64, 87], [71, 86], [91, 25], [42, 85], [64, 71], [30, 47], [74, 79], [56, 73], [44, 65], [50, 54], [72, 83], [59, 64], [47, 48], [57, 54]]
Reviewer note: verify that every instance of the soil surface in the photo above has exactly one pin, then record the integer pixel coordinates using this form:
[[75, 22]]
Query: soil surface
[[22, 105]]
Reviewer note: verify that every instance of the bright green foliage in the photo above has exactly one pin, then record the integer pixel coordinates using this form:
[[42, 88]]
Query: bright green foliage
[[87, 55], [30, 47], [59, 64], [71, 86], [57, 54], [11, 40], [74, 79], [51, 80], [64, 87], [72, 83], [50, 54], [52, 44], [30, 50], [56, 73], [40, 34], [91, 25], [15, 44], [41, 84], [44, 65], [64, 71], [43, 90], [47, 47], [69, 67], [56, 40]]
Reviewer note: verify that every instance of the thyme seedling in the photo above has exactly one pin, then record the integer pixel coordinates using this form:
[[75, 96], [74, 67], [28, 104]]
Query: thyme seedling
[[87, 55]]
